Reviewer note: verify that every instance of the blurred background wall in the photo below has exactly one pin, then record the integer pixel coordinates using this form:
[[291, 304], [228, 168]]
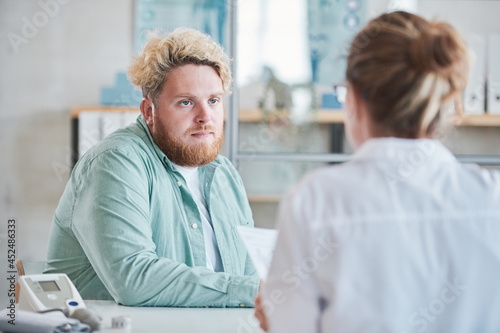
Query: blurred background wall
[[64, 62]]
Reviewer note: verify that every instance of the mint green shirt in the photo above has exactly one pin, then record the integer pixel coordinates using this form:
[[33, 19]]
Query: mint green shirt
[[128, 229]]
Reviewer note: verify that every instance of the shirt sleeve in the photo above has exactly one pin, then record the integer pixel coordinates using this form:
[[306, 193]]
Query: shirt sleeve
[[110, 221], [290, 293], [250, 269]]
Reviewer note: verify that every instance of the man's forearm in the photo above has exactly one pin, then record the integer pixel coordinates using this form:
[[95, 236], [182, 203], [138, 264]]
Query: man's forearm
[[163, 282]]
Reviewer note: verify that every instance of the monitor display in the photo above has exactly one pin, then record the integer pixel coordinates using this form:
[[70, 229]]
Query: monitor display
[[49, 286]]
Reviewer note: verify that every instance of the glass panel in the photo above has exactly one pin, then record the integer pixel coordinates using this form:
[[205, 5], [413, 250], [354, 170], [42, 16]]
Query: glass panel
[[290, 53], [283, 137], [264, 213], [204, 15], [269, 178], [266, 182]]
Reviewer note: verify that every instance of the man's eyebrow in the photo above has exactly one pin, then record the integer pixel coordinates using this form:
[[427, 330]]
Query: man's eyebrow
[[187, 95], [184, 95]]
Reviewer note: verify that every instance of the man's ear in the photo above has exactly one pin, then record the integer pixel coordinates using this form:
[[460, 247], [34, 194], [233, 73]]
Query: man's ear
[[147, 109]]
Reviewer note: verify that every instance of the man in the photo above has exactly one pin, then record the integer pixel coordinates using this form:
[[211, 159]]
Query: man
[[149, 215]]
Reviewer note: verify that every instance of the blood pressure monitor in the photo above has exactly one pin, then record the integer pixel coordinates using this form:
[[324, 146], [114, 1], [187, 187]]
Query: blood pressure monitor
[[48, 291]]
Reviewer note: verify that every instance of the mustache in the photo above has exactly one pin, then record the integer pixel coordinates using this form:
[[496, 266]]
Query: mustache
[[208, 128]]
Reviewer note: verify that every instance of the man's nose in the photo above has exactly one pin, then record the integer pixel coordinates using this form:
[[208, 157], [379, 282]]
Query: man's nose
[[204, 114]]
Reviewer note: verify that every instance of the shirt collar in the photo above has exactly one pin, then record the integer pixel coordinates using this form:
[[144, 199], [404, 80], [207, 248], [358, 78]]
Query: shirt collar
[[390, 148], [161, 155]]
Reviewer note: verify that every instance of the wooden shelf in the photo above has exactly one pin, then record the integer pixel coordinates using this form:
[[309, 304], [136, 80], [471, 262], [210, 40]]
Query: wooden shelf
[[334, 116], [264, 198], [478, 120], [76, 111], [321, 117]]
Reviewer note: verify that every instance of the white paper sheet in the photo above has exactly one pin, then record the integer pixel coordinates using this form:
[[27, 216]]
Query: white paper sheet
[[260, 245]]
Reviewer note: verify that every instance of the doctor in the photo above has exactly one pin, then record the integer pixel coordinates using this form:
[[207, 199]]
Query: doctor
[[403, 238]]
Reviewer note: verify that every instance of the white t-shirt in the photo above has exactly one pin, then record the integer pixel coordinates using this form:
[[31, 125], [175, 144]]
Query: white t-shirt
[[191, 176]]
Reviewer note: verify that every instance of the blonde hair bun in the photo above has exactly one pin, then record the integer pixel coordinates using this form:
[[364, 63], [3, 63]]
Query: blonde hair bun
[[410, 72], [438, 48]]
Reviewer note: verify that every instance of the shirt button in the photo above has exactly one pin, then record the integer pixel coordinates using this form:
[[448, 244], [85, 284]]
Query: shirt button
[[242, 305], [194, 225], [179, 183]]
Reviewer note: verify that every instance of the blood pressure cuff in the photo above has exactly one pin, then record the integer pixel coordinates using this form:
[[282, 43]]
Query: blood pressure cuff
[[33, 322]]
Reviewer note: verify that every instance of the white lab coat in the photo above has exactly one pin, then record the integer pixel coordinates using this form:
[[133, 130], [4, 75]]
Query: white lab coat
[[403, 238]]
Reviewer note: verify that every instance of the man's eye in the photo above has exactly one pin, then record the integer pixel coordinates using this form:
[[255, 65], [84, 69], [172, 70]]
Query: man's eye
[[213, 101], [185, 103]]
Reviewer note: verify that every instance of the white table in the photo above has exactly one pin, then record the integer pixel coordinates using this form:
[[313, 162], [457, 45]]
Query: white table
[[173, 320]]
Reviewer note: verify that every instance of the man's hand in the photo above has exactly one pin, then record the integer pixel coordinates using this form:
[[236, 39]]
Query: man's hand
[[260, 314]]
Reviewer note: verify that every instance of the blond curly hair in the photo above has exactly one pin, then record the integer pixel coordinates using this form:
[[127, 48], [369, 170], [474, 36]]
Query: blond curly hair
[[161, 54]]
